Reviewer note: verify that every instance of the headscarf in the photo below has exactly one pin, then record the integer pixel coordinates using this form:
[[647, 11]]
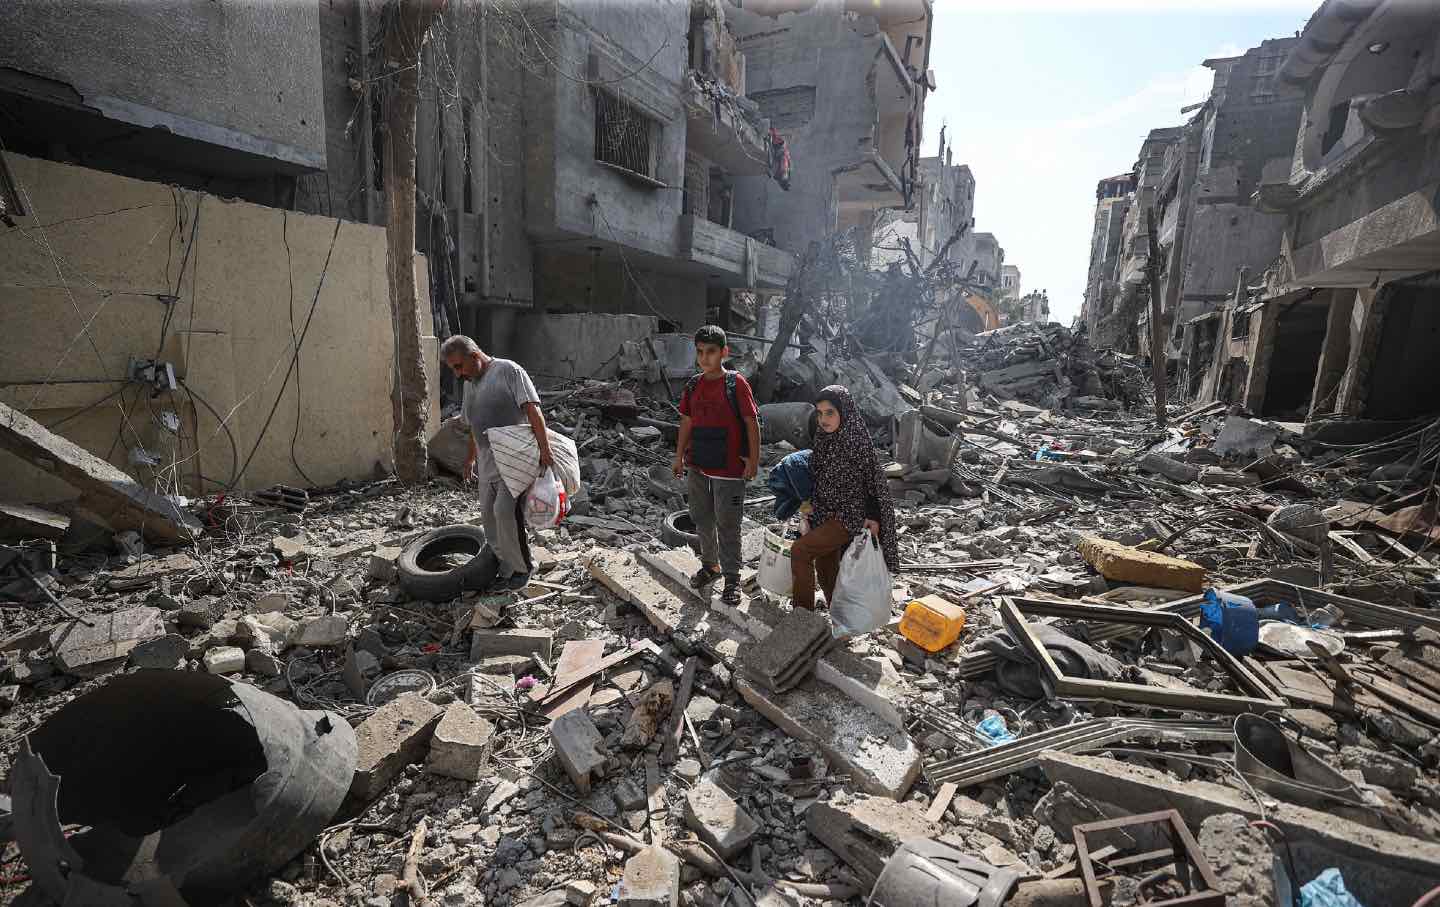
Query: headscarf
[[847, 475]]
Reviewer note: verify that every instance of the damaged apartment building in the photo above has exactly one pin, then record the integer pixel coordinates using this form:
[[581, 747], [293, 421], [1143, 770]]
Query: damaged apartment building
[[195, 252], [1295, 218]]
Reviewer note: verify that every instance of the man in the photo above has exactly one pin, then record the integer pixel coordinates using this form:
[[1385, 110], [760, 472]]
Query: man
[[498, 392]]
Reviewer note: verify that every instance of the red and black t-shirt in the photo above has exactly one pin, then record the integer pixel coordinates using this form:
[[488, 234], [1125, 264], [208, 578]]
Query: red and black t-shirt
[[713, 426]]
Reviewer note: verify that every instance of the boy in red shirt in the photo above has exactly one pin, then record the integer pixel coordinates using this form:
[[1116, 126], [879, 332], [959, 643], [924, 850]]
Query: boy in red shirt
[[720, 442]]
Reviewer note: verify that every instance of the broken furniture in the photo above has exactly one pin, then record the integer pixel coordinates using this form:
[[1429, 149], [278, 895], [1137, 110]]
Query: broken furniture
[[184, 786], [1259, 696], [1190, 867]]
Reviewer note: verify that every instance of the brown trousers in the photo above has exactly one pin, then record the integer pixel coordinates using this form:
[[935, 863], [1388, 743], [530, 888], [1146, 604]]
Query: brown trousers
[[817, 551]]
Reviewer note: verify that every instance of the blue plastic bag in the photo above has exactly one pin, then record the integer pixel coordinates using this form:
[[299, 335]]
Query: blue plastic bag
[[1327, 890], [1231, 620], [994, 728]]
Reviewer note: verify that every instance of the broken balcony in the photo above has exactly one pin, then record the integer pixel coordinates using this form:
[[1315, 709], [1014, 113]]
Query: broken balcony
[[733, 258], [720, 127]]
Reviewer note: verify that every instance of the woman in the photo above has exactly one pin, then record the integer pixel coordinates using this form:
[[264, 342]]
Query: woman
[[850, 495]]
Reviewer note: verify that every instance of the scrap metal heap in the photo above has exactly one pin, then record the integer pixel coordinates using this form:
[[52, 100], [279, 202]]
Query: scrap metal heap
[[1095, 735]]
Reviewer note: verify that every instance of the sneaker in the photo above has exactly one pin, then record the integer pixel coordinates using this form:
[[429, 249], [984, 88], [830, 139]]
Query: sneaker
[[731, 595], [704, 577], [514, 582]]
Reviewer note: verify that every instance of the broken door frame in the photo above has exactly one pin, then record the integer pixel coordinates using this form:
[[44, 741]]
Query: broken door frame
[[1013, 611]]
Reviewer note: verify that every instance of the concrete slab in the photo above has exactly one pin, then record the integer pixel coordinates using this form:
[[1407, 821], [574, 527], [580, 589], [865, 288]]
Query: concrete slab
[[143, 573], [1380, 867], [865, 831], [666, 606], [579, 746], [460, 747], [391, 738], [1143, 568], [881, 759], [111, 494], [88, 651], [718, 819], [872, 683], [651, 879], [21, 522], [789, 652], [524, 641]]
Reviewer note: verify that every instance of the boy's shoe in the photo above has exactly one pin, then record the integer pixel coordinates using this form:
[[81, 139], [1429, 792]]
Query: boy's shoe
[[731, 594], [704, 577]]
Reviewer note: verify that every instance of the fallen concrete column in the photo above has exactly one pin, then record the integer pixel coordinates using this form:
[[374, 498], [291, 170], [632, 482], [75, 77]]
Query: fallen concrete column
[[1380, 867], [110, 494]]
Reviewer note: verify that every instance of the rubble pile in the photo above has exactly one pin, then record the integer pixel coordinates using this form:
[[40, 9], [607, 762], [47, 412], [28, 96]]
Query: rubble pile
[[606, 735], [1050, 366]]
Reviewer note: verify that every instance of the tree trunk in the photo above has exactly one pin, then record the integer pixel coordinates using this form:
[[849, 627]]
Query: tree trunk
[[404, 36], [791, 311]]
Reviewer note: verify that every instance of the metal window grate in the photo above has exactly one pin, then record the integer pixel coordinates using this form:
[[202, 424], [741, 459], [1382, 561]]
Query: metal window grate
[[624, 137]]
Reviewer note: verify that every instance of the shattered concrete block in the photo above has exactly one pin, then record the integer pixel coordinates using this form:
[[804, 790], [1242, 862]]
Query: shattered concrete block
[[382, 563], [490, 643], [263, 663], [651, 708], [391, 738], [272, 601], [201, 613], [326, 630], [866, 831], [579, 892], [1169, 467], [1241, 858], [579, 745], [165, 653], [270, 632], [87, 651], [629, 795], [1115, 561], [652, 879], [109, 493], [9, 695], [460, 747], [225, 660], [20, 522], [718, 819]]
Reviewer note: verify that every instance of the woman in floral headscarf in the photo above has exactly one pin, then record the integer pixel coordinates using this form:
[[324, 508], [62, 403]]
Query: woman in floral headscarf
[[850, 496]]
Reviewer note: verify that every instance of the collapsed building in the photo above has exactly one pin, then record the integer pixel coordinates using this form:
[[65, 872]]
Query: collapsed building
[[1295, 222]]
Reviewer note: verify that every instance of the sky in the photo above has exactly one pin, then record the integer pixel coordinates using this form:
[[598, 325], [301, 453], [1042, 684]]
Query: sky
[[1042, 98]]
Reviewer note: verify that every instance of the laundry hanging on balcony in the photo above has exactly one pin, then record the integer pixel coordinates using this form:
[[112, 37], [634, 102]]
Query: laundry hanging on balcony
[[779, 159]]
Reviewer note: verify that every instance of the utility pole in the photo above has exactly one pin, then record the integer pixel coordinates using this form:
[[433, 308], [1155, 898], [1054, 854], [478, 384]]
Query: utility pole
[[1157, 343], [405, 24]]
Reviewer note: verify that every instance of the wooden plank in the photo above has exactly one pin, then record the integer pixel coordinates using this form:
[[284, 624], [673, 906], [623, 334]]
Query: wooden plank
[[676, 730], [655, 794], [942, 801], [577, 659], [1422, 674], [564, 683]]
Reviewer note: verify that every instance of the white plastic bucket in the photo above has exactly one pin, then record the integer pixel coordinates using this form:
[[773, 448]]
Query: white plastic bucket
[[774, 573]]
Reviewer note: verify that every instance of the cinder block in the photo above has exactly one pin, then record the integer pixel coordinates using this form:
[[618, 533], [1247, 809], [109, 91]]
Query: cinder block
[[388, 740], [460, 747], [491, 643], [718, 819], [579, 745], [1120, 562], [652, 879]]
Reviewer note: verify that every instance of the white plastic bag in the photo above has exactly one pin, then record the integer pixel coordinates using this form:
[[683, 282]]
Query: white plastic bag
[[862, 590], [545, 502]]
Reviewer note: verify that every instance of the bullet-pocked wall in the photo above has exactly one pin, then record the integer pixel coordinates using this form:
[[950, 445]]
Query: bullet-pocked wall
[[103, 269]]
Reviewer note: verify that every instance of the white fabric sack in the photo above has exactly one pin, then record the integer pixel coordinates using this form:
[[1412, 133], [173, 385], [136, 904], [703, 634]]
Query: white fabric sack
[[862, 590], [517, 456], [545, 502]]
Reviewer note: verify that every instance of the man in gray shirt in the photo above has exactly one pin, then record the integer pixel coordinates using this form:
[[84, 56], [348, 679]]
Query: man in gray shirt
[[498, 392]]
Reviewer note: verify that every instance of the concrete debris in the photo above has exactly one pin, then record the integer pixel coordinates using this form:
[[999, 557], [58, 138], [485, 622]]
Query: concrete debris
[[1122, 563], [718, 819], [579, 746], [651, 879], [395, 736], [460, 746], [789, 652], [104, 646]]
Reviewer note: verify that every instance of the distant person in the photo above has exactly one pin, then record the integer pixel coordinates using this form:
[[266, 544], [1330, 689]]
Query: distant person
[[720, 443], [849, 496], [498, 393]]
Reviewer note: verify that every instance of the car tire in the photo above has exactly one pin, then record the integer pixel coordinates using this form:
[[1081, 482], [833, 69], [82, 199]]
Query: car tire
[[419, 579], [678, 531]]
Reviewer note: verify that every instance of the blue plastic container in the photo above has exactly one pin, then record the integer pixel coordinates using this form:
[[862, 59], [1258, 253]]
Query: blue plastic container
[[1231, 620]]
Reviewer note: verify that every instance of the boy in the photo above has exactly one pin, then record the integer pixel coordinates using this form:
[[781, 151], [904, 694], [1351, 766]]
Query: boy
[[720, 441]]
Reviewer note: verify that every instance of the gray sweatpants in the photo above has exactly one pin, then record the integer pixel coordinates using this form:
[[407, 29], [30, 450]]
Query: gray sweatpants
[[501, 516], [716, 506]]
